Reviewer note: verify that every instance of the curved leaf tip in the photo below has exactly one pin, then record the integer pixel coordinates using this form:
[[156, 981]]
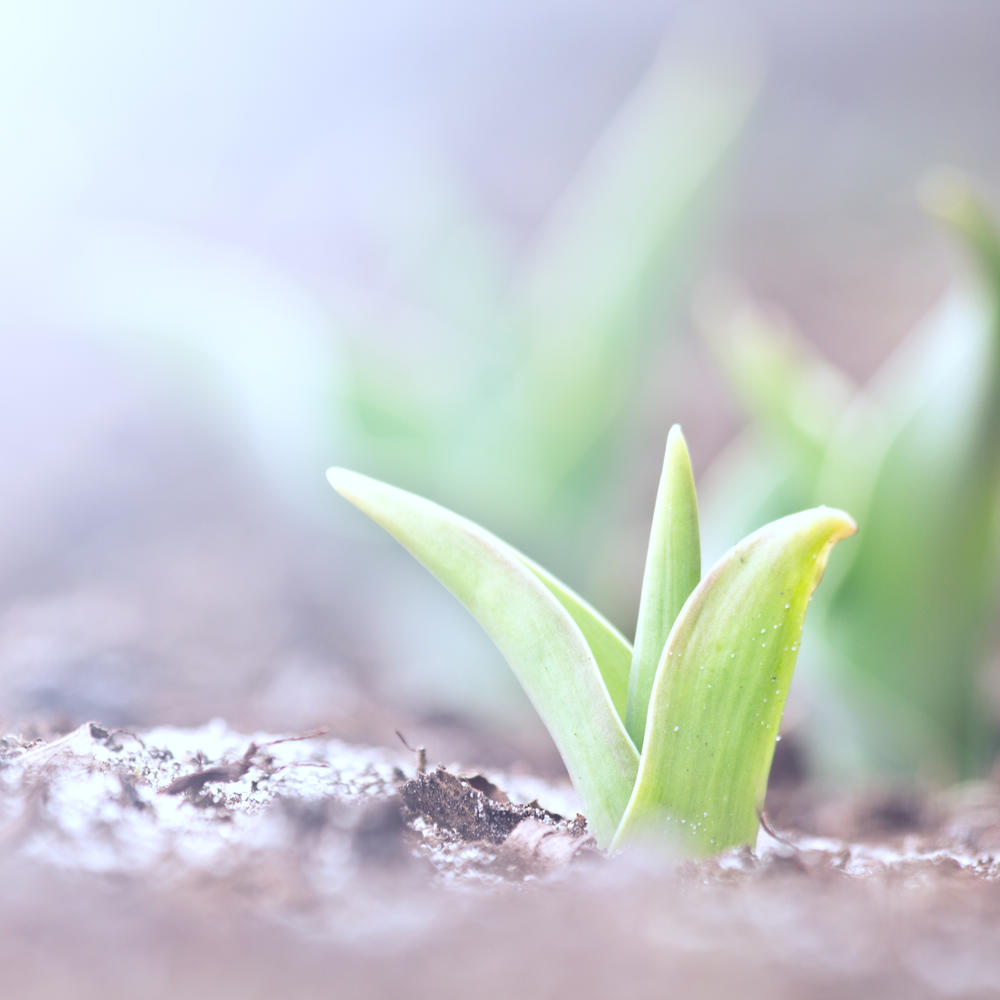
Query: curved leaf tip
[[721, 685]]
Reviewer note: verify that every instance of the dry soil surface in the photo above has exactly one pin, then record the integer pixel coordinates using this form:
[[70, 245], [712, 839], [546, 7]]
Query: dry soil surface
[[207, 862]]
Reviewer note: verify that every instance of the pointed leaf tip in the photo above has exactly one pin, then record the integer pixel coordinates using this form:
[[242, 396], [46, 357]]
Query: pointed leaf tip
[[673, 568], [342, 479]]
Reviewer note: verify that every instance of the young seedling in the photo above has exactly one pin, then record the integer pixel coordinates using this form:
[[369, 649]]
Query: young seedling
[[673, 738]]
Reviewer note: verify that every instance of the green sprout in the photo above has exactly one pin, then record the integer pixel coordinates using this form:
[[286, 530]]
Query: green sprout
[[673, 738]]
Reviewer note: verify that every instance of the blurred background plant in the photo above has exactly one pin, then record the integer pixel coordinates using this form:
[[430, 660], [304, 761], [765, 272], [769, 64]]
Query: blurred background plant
[[451, 246], [525, 359], [534, 405], [915, 454]]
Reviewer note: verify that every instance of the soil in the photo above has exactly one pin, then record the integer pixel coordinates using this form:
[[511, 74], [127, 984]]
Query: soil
[[223, 864]]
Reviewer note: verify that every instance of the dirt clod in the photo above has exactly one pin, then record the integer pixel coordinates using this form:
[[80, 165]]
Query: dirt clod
[[474, 809]]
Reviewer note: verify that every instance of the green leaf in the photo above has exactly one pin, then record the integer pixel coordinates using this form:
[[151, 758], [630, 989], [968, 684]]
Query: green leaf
[[610, 648], [919, 444], [617, 248], [791, 394], [721, 684], [933, 457], [952, 198], [795, 401], [673, 569], [540, 640]]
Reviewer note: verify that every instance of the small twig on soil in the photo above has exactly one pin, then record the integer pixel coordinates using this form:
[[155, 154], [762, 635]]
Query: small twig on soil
[[196, 781], [222, 772], [315, 734], [421, 753], [771, 832]]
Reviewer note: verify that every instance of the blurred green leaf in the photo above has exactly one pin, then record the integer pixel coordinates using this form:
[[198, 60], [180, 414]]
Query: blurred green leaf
[[231, 333], [911, 622], [916, 455], [615, 247], [548, 367], [791, 394]]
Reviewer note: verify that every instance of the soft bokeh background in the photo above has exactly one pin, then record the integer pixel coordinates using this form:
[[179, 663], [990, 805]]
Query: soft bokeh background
[[238, 244]]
